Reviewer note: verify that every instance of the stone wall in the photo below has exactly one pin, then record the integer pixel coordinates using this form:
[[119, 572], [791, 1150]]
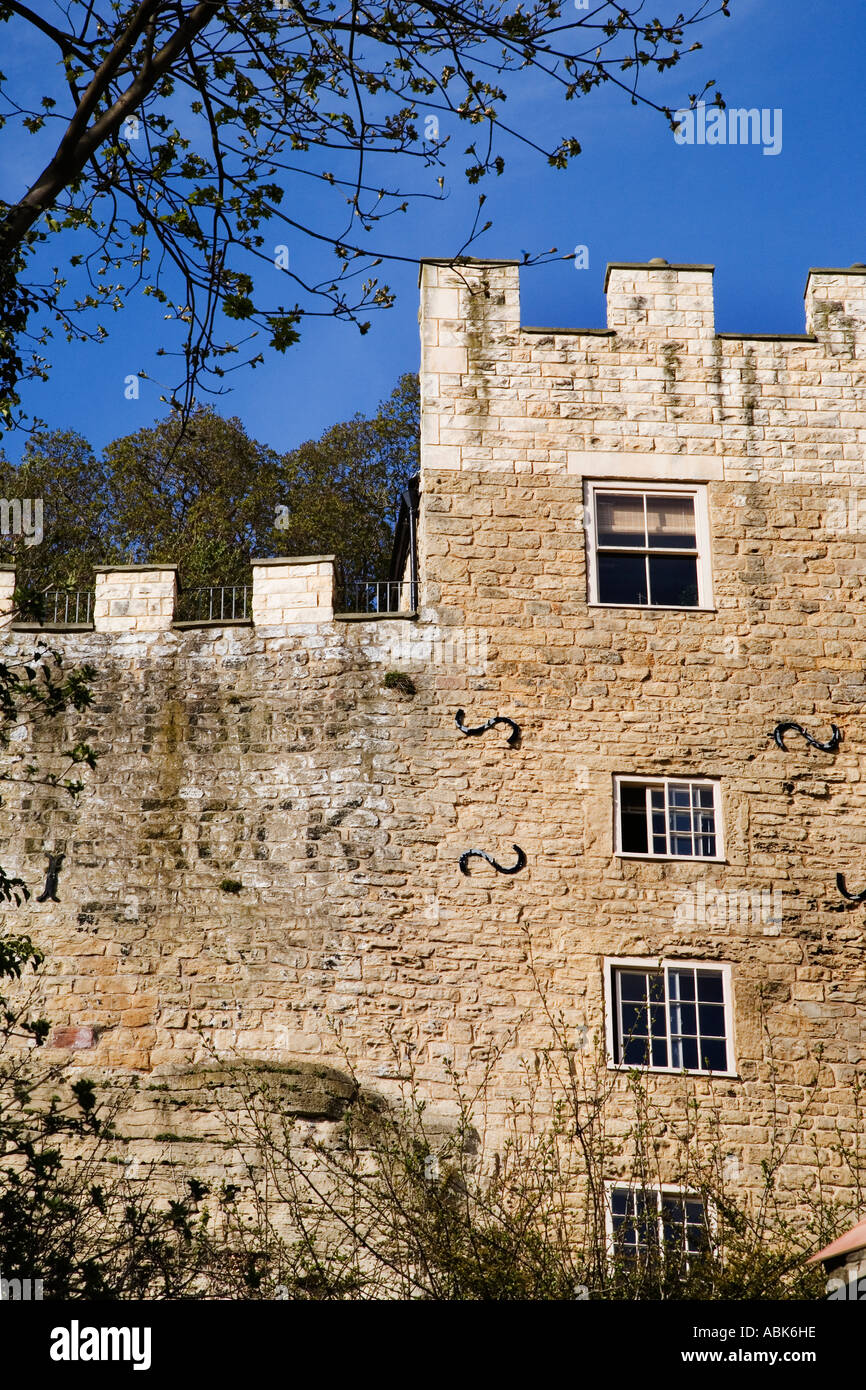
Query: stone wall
[[273, 756]]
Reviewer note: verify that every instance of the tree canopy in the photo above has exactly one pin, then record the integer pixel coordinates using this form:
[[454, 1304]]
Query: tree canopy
[[181, 150]]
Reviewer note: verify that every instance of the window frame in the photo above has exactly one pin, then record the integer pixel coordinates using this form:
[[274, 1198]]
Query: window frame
[[661, 1190], [663, 964], [637, 779], [642, 488]]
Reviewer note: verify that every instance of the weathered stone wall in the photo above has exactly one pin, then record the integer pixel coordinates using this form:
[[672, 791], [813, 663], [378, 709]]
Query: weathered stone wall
[[274, 756]]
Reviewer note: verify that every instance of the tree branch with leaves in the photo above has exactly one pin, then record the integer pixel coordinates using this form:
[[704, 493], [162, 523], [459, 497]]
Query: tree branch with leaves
[[172, 143]]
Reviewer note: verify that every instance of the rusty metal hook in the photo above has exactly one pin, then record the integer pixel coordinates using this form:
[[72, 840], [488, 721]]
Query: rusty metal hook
[[829, 747], [500, 869], [852, 897], [491, 723]]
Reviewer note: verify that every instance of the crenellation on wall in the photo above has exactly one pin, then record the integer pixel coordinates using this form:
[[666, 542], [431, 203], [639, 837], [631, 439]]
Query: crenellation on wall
[[664, 301], [661, 380], [836, 306]]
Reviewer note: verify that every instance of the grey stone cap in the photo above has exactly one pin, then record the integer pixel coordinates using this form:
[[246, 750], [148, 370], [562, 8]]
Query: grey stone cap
[[774, 337], [465, 260], [611, 333], [837, 270], [594, 332], [651, 265], [129, 569], [459, 260], [294, 560]]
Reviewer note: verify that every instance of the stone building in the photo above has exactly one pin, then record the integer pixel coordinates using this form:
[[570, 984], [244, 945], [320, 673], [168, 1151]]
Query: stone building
[[645, 545]]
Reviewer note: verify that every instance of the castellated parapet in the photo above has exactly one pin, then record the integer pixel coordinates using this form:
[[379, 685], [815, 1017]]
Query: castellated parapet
[[272, 754]]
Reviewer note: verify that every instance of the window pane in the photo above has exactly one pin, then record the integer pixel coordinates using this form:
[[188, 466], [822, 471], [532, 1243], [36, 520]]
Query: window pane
[[657, 1020], [622, 579], [696, 1225], [619, 1201], [635, 1052], [632, 985], [673, 581], [671, 522], [683, 984], [673, 1219], [685, 1053], [710, 986], [619, 519], [633, 828], [635, 1021], [714, 1054], [684, 1019], [712, 1018]]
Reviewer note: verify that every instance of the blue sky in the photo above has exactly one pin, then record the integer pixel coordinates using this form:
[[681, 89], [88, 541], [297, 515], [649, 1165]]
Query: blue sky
[[632, 194]]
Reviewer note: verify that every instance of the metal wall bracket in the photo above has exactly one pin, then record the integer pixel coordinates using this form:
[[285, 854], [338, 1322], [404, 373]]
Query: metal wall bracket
[[829, 747], [491, 723], [852, 897], [49, 892], [500, 869]]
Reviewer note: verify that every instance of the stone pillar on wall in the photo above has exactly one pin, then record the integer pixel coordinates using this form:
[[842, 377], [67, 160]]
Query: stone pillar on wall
[[134, 598], [467, 311], [836, 305], [7, 590], [661, 301], [288, 591]]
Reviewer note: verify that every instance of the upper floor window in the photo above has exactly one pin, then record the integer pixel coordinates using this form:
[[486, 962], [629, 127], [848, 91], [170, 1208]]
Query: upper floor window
[[668, 818], [648, 1221], [649, 547], [669, 1015]]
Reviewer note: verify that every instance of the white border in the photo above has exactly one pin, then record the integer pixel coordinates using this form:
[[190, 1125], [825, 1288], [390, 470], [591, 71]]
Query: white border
[[665, 963], [697, 491], [638, 779]]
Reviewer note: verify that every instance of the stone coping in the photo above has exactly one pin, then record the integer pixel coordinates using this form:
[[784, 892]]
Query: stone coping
[[132, 569], [295, 560], [652, 265], [51, 627], [184, 624], [373, 617]]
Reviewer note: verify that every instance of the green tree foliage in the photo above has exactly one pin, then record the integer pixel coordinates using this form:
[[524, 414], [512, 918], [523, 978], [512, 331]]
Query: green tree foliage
[[342, 491], [174, 147], [207, 497], [60, 467]]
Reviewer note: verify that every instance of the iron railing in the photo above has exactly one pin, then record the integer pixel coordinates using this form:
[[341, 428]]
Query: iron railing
[[379, 596], [60, 608], [218, 603]]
